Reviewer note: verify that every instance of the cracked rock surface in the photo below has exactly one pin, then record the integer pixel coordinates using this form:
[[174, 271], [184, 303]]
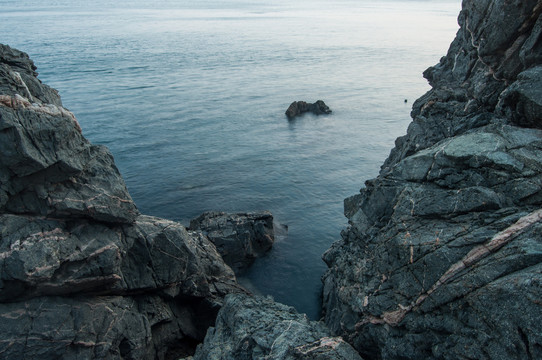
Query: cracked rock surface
[[240, 238], [258, 328], [442, 258]]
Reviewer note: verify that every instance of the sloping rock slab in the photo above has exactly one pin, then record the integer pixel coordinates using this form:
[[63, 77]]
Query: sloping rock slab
[[259, 328]]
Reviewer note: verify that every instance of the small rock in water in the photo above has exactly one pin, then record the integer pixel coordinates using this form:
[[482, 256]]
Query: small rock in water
[[299, 107]]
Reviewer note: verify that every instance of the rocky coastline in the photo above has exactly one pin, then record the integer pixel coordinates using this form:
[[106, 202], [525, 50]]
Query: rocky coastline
[[442, 258], [84, 275]]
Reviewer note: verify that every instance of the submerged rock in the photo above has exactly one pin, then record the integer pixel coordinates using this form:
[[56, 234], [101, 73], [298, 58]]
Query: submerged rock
[[240, 237], [82, 273], [442, 258], [299, 107], [259, 328]]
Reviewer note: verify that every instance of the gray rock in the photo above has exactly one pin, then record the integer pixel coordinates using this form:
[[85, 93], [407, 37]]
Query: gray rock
[[522, 101], [442, 257], [47, 167], [174, 281], [497, 40], [259, 328], [74, 328], [16, 66], [239, 237], [299, 107], [82, 273]]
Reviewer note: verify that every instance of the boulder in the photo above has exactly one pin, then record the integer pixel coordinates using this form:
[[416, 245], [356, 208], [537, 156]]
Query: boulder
[[239, 237], [299, 107], [258, 328], [442, 258]]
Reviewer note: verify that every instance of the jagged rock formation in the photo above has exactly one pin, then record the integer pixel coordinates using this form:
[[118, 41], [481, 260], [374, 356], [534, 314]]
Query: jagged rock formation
[[240, 238], [259, 328], [82, 273], [443, 255], [299, 107]]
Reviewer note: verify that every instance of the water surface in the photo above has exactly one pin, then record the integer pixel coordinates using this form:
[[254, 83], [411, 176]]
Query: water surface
[[190, 98]]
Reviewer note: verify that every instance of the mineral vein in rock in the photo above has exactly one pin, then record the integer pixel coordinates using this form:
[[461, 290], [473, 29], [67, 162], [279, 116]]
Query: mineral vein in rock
[[394, 318]]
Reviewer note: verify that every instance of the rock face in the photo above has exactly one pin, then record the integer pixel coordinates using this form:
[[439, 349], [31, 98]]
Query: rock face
[[240, 238], [299, 107], [259, 328], [82, 273], [443, 255]]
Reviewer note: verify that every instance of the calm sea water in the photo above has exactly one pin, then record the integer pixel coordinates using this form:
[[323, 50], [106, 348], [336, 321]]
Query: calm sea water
[[190, 98]]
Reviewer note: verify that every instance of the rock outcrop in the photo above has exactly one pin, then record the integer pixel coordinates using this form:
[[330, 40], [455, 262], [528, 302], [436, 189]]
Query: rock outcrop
[[299, 107], [82, 273], [259, 328], [240, 238], [442, 258]]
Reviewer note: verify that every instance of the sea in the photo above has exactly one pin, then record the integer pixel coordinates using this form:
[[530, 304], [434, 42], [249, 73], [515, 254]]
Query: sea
[[190, 96]]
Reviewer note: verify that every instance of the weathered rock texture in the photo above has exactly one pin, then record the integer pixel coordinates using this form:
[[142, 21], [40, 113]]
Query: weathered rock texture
[[259, 328], [82, 274], [240, 238], [443, 255], [299, 107]]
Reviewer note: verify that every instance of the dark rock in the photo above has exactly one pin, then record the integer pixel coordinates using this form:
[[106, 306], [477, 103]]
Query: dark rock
[[299, 107], [240, 238], [259, 328], [174, 282], [521, 102], [82, 273], [442, 258], [47, 167], [497, 40], [20, 73]]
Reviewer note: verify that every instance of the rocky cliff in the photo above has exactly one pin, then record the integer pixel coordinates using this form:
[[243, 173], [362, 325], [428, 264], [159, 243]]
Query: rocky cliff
[[82, 273], [442, 258]]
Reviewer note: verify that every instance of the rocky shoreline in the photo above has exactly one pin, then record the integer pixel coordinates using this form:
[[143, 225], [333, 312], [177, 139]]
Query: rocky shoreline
[[442, 258], [85, 275]]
